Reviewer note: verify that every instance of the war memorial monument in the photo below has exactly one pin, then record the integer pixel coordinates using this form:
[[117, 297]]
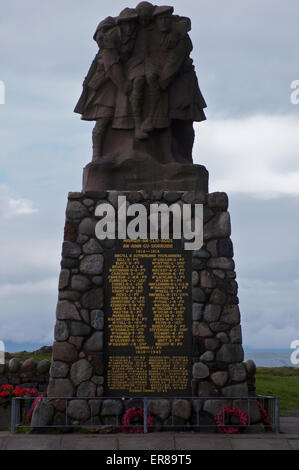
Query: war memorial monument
[[148, 303]]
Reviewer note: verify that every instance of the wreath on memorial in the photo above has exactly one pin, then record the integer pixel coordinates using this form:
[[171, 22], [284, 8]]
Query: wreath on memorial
[[265, 417], [226, 414], [33, 404], [132, 417]]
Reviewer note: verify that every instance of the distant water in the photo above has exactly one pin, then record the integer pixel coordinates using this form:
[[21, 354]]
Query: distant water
[[277, 358], [270, 358]]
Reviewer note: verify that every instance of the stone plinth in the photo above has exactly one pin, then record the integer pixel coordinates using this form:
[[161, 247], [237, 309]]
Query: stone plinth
[[79, 367], [135, 171]]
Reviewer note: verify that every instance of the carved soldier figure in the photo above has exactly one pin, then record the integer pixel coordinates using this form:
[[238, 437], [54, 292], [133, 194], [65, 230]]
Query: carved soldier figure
[[177, 75], [97, 101], [142, 82], [106, 87], [141, 69], [127, 25], [149, 100]]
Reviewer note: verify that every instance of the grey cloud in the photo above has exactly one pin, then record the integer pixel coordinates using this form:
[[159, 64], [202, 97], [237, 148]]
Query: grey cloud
[[246, 53], [265, 235], [267, 258], [28, 311]]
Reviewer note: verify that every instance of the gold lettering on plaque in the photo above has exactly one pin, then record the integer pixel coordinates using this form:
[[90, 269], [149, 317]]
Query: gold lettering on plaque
[[148, 315]]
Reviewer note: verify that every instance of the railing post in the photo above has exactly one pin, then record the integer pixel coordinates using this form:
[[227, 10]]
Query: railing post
[[91, 412], [18, 411], [172, 415], [145, 415], [277, 417], [13, 416], [249, 410], [198, 412], [40, 404], [66, 415], [266, 404]]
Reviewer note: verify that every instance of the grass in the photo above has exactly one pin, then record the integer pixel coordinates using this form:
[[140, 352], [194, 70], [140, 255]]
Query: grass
[[22, 430], [281, 382], [278, 371], [27, 355]]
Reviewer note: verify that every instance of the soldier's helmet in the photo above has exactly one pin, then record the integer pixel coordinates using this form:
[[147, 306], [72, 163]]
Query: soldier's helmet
[[104, 25], [145, 9], [161, 10], [128, 14]]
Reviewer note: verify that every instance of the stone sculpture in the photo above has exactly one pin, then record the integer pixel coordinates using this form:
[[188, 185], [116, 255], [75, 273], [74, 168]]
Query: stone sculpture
[[143, 93], [142, 317]]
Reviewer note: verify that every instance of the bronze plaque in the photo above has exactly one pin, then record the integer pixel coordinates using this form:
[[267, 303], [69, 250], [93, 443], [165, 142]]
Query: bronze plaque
[[148, 318]]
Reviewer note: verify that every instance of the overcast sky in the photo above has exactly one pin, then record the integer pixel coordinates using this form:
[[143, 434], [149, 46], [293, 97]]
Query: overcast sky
[[246, 56]]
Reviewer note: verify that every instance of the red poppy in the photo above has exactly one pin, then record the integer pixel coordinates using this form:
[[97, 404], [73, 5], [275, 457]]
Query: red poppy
[[226, 413], [128, 417]]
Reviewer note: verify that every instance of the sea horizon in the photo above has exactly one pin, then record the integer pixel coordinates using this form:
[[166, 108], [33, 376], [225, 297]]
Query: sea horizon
[[261, 357]]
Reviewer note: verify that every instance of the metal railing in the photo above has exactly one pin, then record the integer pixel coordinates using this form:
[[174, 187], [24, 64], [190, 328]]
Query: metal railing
[[270, 405]]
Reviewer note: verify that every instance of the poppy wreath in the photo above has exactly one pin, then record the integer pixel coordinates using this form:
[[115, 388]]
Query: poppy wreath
[[226, 413], [33, 405], [130, 415], [264, 414]]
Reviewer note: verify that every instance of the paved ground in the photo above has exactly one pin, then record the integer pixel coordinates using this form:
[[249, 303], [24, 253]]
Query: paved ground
[[288, 439]]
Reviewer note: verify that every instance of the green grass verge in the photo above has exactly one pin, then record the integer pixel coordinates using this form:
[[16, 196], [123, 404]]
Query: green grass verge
[[27, 355], [281, 382], [278, 371]]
